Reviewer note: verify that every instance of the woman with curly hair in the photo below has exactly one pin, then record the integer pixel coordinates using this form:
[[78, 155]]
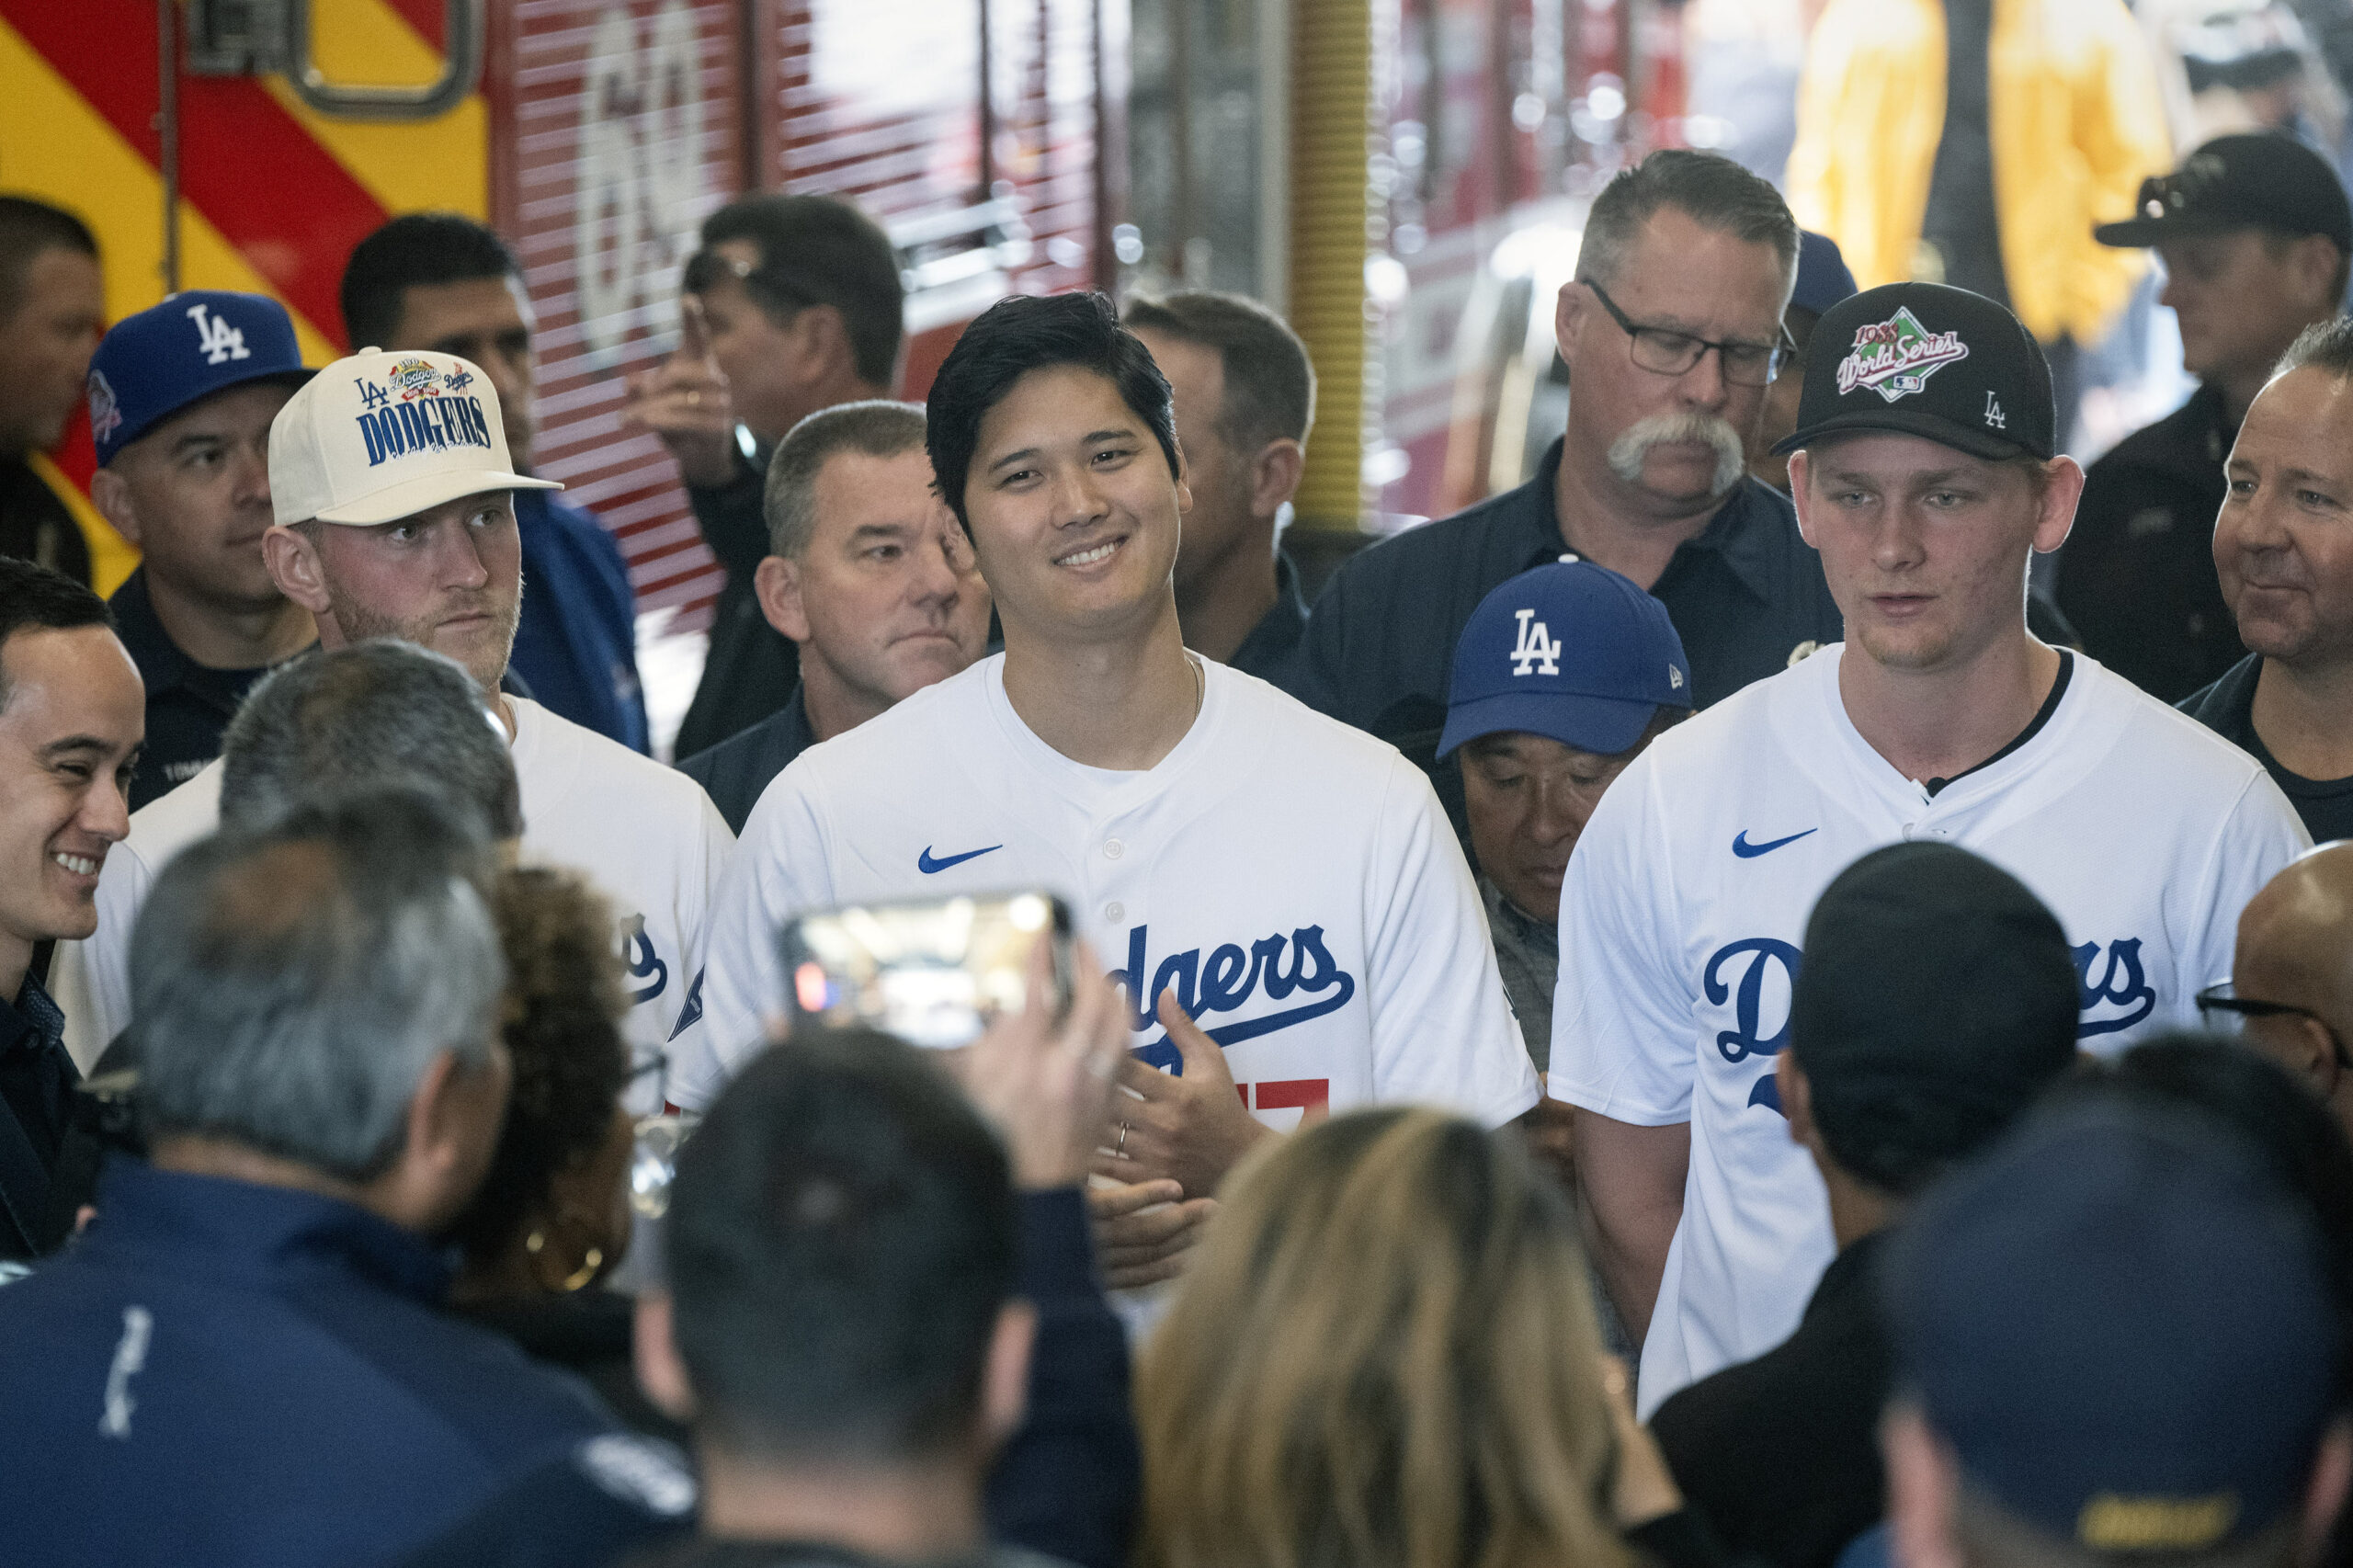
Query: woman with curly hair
[[552, 1217], [1384, 1355]]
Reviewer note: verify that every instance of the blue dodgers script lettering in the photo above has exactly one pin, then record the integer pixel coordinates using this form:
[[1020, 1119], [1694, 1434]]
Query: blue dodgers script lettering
[[1746, 1038], [2121, 983], [432, 423], [644, 963], [1230, 978]]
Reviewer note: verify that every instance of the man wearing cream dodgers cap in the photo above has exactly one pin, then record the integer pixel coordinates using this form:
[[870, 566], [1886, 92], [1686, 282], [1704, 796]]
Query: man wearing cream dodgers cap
[[395, 518]]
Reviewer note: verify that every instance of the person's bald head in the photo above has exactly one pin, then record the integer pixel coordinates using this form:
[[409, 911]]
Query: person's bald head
[[2295, 950]]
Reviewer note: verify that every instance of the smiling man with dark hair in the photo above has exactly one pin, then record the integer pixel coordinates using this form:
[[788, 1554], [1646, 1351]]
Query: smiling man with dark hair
[[1281, 879], [71, 720]]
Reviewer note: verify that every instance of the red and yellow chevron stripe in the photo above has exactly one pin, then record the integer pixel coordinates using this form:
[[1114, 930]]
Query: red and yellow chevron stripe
[[272, 196]]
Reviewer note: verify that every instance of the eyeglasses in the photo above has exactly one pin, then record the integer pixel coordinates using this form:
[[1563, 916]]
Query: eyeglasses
[[2234, 1009], [1666, 352]]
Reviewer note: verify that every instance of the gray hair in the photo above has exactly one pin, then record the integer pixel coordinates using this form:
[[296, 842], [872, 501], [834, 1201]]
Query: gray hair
[[877, 427], [1713, 192], [291, 987], [375, 714], [2325, 346]]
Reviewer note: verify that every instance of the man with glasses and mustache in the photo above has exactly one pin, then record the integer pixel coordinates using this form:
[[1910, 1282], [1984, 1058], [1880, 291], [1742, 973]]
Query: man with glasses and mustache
[[2291, 991], [1672, 331]]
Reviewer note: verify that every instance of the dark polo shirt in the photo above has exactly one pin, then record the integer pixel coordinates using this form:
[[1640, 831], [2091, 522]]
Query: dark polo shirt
[[1269, 646], [2227, 708], [187, 704], [738, 770], [1746, 595]]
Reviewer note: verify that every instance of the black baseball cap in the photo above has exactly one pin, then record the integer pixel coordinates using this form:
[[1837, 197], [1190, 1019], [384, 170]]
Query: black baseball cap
[[2123, 1325], [2259, 181], [1928, 360], [1938, 1001]]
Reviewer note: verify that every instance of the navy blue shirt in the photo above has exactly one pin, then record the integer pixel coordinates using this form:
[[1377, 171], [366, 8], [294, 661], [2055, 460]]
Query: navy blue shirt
[[575, 644], [1745, 594], [231, 1374], [188, 704], [737, 771], [1270, 643]]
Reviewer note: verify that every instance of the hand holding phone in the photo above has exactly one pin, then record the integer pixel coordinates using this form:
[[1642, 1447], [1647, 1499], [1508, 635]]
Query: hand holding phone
[[1045, 1076]]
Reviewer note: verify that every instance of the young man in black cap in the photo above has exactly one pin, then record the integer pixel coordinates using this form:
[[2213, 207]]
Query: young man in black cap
[[1925, 470], [2117, 1343], [2255, 233], [1883, 1107], [2281, 550]]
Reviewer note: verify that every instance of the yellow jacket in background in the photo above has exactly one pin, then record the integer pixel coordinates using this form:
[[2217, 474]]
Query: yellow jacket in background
[[2076, 122]]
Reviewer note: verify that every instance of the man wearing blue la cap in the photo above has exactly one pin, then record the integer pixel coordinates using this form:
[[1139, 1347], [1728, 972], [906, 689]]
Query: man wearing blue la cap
[[1561, 678], [181, 399]]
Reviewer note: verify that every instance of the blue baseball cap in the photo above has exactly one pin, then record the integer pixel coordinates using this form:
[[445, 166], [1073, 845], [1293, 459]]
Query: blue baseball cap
[[1570, 650], [151, 365], [1822, 277], [2124, 1326]]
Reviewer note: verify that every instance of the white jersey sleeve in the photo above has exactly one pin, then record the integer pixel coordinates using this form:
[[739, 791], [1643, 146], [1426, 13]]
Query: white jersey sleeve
[[2260, 836], [1622, 1007], [780, 869], [1442, 1029], [701, 880]]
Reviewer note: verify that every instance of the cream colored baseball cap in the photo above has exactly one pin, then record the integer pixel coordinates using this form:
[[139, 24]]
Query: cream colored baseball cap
[[381, 436]]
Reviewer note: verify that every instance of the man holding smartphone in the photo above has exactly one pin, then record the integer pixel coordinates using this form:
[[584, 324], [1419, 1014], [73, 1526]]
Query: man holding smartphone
[[1297, 928]]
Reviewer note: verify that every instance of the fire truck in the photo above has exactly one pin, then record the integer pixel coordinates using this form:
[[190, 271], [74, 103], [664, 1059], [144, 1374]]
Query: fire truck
[[1359, 163]]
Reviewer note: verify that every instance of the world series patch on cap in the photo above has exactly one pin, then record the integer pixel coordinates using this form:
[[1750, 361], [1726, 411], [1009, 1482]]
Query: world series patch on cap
[[381, 436], [172, 356], [1928, 360]]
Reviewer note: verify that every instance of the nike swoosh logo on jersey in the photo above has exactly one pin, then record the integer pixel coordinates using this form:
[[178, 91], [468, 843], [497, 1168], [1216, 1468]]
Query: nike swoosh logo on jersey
[[1747, 851], [928, 864]]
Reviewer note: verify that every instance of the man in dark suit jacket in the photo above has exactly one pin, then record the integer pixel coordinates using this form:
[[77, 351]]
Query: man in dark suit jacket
[[72, 716]]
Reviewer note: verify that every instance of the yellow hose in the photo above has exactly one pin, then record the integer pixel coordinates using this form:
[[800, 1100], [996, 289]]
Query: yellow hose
[[1335, 222]]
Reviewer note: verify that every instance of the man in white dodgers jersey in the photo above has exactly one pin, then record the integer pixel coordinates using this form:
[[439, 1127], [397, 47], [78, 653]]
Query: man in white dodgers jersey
[[1925, 471], [390, 478], [1292, 881]]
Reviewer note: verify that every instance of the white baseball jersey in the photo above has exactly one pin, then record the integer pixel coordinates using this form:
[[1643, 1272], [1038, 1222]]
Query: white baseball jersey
[[1688, 893], [1292, 879], [647, 837]]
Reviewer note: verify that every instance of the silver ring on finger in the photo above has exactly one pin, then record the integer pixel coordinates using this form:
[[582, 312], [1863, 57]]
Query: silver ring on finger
[[1119, 1150]]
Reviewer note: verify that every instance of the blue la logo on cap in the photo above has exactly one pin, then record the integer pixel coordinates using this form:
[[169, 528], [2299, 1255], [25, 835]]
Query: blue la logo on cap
[[106, 413], [151, 365]]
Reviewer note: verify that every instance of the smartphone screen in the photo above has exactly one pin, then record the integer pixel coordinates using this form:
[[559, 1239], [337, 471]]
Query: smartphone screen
[[935, 973]]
